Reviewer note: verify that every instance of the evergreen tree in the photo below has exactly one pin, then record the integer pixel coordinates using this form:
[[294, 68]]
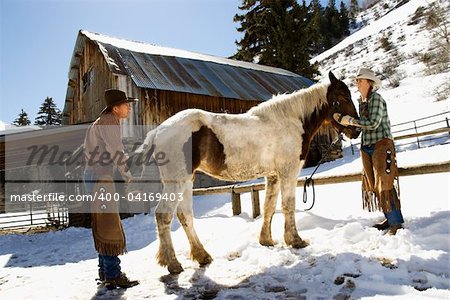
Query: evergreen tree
[[48, 114], [330, 25], [315, 26], [275, 34], [287, 34], [22, 119], [354, 10], [344, 19]]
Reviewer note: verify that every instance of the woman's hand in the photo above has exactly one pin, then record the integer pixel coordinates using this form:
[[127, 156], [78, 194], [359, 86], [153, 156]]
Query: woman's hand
[[345, 120]]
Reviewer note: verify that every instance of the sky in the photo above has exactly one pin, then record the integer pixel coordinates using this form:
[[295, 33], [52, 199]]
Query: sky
[[38, 37]]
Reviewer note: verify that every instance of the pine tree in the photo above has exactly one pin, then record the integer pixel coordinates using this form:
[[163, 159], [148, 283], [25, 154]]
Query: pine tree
[[315, 26], [275, 35], [22, 119], [354, 10], [344, 19], [48, 113], [330, 25]]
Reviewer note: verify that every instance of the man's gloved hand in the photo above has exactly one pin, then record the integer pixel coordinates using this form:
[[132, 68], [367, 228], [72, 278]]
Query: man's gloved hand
[[127, 177], [344, 120]]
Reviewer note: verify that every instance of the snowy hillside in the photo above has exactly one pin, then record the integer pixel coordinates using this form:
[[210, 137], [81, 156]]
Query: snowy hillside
[[404, 51], [346, 259]]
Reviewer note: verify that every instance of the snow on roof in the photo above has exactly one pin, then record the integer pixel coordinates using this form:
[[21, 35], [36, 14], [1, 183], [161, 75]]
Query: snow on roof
[[6, 129], [165, 51]]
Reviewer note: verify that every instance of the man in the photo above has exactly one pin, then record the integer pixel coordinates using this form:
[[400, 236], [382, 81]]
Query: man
[[104, 153]]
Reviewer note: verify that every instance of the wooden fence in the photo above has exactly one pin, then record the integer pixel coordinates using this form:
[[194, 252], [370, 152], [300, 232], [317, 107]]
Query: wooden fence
[[237, 190], [435, 124]]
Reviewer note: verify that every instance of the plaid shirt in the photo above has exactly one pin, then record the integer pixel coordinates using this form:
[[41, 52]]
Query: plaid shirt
[[374, 119]]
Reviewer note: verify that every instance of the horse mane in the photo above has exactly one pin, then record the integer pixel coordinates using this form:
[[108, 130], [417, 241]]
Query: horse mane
[[300, 104]]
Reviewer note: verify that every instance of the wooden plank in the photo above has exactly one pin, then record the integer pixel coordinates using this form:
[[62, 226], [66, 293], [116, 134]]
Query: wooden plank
[[435, 131], [318, 180]]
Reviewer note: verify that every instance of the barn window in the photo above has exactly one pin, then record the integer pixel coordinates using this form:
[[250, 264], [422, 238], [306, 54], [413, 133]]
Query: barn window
[[88, 79]]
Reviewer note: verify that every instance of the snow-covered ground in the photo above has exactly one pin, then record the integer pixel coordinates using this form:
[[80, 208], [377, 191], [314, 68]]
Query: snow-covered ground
[[346, 257]]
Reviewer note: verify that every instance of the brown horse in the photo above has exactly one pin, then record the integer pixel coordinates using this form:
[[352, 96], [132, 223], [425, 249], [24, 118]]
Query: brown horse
[[271, 140]]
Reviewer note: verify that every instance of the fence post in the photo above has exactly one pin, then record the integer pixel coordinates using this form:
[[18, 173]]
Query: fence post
[[31, 212], [255, 203], [236, 202], [415, 127], [351, 146]]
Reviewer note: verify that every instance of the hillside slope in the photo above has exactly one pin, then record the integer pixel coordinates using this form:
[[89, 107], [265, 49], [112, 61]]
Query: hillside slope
[[405, 50]]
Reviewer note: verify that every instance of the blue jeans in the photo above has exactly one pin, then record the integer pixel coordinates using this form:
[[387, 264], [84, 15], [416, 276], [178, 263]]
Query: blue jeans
[[395, 216], [369, 149], [109, 265], [89, 179]]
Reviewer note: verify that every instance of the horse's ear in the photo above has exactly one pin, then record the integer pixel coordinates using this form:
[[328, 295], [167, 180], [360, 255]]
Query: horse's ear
[[333, 78]]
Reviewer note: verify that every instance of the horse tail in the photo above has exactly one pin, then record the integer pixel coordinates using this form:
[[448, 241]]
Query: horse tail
[[148, 141]]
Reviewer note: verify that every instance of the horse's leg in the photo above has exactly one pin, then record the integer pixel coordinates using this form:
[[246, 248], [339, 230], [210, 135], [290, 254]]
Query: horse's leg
[[272, 190], [291, 237], [164, 215], [185, 216]]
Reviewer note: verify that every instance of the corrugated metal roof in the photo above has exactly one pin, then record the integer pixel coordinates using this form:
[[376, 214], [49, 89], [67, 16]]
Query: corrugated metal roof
[[169, 69]]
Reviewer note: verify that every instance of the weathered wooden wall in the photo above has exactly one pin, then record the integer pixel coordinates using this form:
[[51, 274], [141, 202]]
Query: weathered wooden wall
[[88, 101], [157, 105]]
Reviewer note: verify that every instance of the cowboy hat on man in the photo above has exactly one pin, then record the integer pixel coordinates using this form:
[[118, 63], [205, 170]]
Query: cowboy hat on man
[[114, 97]]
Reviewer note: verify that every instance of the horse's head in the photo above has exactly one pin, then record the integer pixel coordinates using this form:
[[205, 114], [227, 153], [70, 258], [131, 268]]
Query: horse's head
[[340, 101]]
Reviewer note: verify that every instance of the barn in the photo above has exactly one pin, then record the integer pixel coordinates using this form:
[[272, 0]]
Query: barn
[[166, 81]]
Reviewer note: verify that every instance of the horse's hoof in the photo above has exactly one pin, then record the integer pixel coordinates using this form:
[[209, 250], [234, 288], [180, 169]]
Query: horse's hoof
[[300, 244], [205, 260], [175, 268], [267, 243], [201, 256]]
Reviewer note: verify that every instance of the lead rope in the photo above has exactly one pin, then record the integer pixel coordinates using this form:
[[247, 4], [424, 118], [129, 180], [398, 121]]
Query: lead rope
[[309, 181]]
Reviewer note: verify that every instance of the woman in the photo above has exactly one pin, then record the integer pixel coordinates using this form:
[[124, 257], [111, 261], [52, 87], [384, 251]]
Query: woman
[[377, 152]]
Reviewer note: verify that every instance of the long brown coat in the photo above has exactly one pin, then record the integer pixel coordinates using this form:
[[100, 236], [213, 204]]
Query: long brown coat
[[103, 141]]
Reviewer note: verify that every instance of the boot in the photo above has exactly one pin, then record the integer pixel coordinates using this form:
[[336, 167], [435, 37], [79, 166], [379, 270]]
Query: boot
[[122, 281], [101, 276], [394, 228], [382, 226]]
